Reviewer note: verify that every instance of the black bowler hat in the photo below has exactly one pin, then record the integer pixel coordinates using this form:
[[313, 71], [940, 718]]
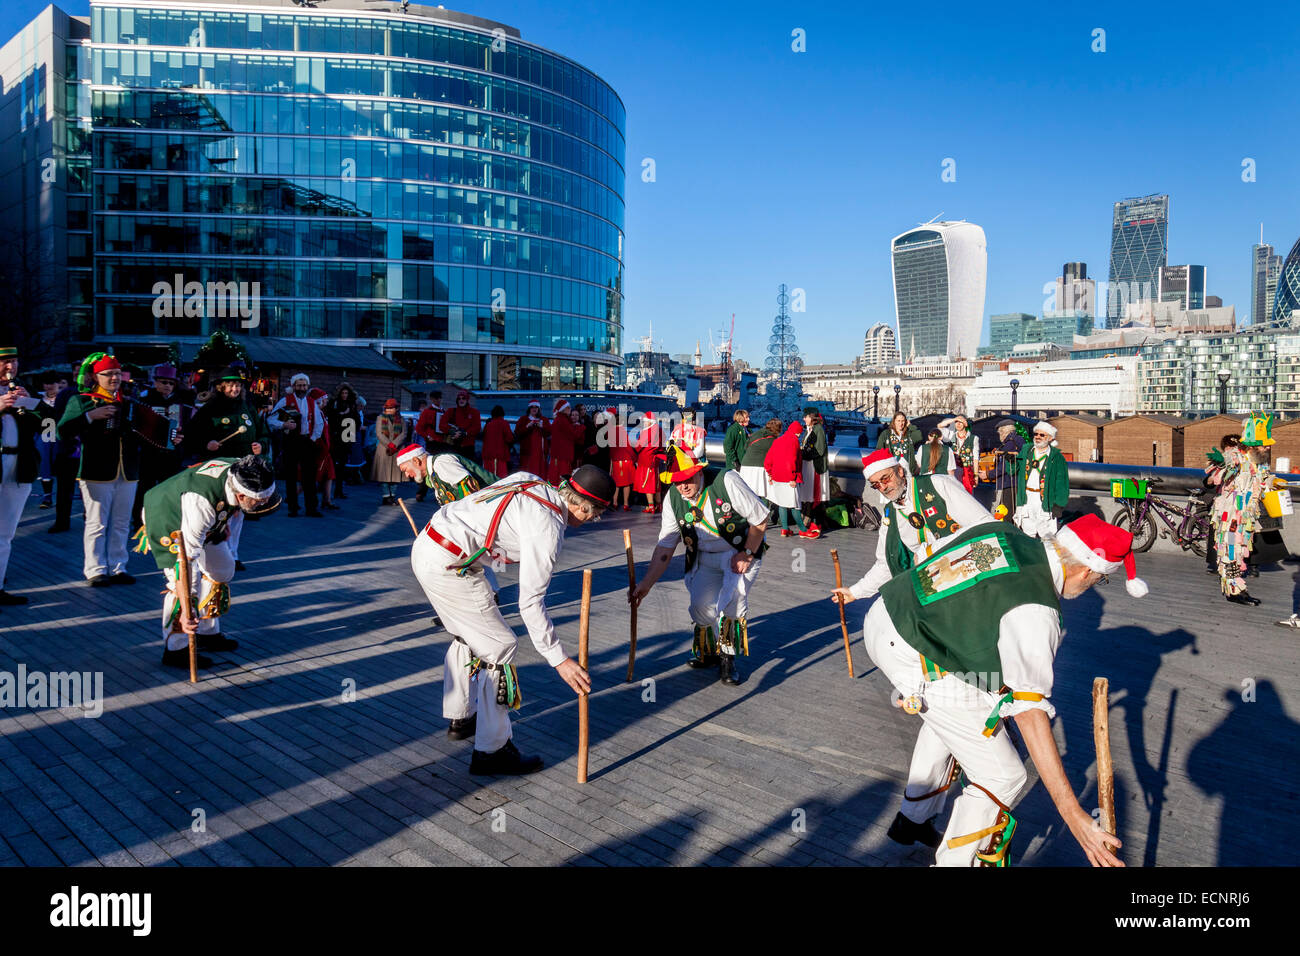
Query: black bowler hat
[[593, 483]]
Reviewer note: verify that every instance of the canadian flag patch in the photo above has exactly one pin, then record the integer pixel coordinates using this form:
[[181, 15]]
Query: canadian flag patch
[[931, 512]]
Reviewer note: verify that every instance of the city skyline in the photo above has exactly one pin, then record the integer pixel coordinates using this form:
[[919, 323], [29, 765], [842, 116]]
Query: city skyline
[[748, 195]]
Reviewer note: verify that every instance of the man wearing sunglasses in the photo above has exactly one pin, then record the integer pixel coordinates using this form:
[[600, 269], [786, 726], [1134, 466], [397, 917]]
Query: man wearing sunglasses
[[919, 513]]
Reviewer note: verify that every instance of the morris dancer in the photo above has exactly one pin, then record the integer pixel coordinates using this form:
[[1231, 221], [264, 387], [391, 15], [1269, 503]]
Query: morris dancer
[[451, 476], [1042, 485], [969, 638], [206, 504], [722, 525], [519, 519]]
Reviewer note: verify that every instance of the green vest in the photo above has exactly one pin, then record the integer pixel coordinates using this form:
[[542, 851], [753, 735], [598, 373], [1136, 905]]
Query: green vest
[[447, 493], [732, 528], [162, 506], [950, 606], [923, 466], [926, 506]]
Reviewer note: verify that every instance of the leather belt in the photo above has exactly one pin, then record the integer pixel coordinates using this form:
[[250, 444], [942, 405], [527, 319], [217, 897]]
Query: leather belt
[[449, 545]]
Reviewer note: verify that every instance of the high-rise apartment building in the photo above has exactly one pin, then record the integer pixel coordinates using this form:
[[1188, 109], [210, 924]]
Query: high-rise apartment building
[[880, 347], [939, 270], [1265, 267], [1139, 246]]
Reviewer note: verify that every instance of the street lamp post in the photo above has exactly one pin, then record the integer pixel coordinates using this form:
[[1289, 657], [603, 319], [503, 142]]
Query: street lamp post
[[717, 408], [875, 399], [1223, 377], [1015, 384], [897, 389]]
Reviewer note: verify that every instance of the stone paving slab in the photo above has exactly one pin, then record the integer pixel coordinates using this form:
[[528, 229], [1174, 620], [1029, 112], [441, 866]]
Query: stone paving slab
[[800, 765]]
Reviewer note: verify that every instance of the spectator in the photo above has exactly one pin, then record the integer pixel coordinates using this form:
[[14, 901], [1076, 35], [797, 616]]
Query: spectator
[[461, 426], [689, 435], [497, 437], [1006, 459], [110, 463], [325, 473], [650, 459], [429, 426], [390, 433], [164, 455], [1042, 485], [751, 462], [343, 418], [815, 489], [302, 423], [52, 383], [19, 458], [736, 439], [565, 439], [784, 466], [622, 457], [901, 439], [67, 462], [531, 431]]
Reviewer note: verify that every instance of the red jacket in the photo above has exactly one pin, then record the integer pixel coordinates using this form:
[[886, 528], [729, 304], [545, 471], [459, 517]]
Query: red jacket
[[497, 437], [565, 437], [532, 444], [467, 419], [427, 425], [783, 461]]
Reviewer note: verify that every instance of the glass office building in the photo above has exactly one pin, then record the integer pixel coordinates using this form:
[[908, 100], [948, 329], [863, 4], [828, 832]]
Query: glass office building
[[939, 274], [1139, 246], [417, 179], [1286, 300]]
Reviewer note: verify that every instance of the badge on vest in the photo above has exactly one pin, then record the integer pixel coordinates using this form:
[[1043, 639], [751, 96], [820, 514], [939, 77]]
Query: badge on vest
[[916, 521], [931, 512]]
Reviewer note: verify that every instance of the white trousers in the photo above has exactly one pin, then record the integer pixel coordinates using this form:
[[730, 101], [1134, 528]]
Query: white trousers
[[952, 719], [1032, 519], [12, 498], [108, 525], [715, 589], [236, 531], [468, 610], [214, 565]]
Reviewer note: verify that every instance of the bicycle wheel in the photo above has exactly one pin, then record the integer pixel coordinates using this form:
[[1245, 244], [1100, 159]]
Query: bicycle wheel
[[1199, 535], [1144, 535]]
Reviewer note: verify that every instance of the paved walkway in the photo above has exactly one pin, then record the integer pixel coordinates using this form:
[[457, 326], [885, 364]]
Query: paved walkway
[[265, 762]]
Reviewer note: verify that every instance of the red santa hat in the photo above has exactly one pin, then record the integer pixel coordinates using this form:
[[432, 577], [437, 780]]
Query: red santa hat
[[409, 452], [1103, 548], [106, 364], [878, 461], [561, 405]]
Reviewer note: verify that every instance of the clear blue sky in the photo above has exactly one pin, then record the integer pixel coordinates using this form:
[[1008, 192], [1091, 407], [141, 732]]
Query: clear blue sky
[[775, 166]]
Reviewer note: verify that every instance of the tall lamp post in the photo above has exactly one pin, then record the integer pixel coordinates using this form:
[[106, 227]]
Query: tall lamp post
[[897, 389], [875, 399], [717, 408], [1223, 377], [1015, 384]]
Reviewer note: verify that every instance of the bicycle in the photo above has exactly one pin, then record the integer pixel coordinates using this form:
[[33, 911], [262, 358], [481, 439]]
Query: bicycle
[[1188, 527]]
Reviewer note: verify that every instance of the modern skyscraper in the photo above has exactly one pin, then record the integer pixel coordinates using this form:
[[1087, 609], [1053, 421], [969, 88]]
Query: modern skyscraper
[[1184, 285], [1139, 246], [1075, 292], [880, 346], [939, 272], [386, 174], [1286, 304], [1264, 270]]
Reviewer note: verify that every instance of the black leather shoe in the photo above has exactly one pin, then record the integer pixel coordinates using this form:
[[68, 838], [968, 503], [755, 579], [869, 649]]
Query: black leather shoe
[[100, 581], [216, 642], [1243, 598], [729, 673], [907, 832], [708, 660], [181, 658], [463, 729], [507, 761], [57, 528], [11, 600], [122, 578]]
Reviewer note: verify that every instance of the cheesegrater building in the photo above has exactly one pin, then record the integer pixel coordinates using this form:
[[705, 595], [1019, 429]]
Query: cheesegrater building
[[349, 172]]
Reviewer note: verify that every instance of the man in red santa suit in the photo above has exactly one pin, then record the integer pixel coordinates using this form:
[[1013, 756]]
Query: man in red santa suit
[[461, 426], [689, 435], [531, 431], [565, 438]]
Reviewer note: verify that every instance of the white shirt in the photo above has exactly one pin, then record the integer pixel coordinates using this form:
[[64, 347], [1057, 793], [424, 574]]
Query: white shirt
[[963, 508], [690, 437], [529, 534], [304, 408], [449, 469], [1029, 637], [1034, 478], [747, 504], [198, 516]]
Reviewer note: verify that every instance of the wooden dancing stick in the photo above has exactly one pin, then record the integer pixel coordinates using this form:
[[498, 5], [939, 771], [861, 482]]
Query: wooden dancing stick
[[187, 605], [1105, 770], [238, 431], [844, 627], [631, 582], [407, 512], [584, 621]]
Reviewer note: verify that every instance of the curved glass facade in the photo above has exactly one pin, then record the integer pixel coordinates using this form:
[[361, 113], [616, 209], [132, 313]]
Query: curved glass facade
[[436, 185], [1286, 303]]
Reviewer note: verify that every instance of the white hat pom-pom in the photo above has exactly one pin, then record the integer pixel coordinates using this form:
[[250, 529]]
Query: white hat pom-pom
[[1136, 587]]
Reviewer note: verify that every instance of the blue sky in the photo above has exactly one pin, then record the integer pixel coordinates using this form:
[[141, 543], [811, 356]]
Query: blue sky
[[775, 166]]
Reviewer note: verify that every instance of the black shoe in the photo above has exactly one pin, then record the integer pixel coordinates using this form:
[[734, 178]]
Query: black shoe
[[216, 642], [420, 497], [314, 514], [56, 528], [708, 660], [907, 832], [435, 621], [100, 581], [463, 729], [11, 600], [330, 506], [294, 514], [1213, 571], [1243, 598], [239, 565], [505, 762], [181, 658], [1252, 571], [122, 578], [729, 673]]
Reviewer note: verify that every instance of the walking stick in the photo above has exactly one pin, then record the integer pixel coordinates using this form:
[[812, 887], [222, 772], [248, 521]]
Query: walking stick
[[406, 512], [631, 582], [183, 595], [1101, 738], [584, 620], [844, 627]]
